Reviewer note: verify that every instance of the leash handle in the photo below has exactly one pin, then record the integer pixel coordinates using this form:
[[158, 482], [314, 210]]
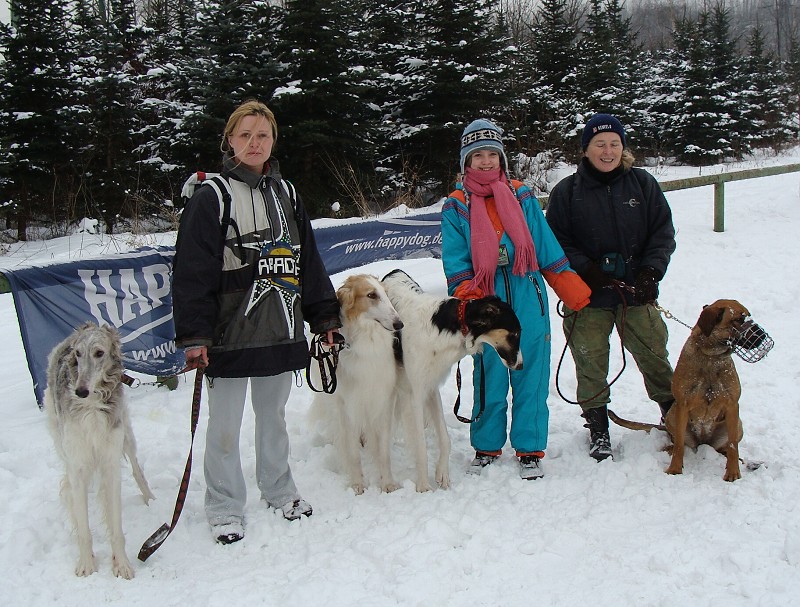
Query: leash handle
[[482, 395], [154, 542], [328, 361]]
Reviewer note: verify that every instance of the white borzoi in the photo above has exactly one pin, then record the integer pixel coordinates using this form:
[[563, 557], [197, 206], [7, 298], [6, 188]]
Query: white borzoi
[[437, 333], [365, 380], [91, 428]]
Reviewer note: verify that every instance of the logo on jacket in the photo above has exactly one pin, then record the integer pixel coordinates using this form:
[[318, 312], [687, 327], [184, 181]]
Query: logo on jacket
[[277, 270], [632, 203]]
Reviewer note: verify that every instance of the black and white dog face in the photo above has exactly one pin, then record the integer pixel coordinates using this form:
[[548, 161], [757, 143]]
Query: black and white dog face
[[492, 321], [472, 323]]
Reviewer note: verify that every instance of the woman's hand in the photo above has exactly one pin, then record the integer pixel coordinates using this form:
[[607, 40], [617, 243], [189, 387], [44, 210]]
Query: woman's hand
[[196, 356]]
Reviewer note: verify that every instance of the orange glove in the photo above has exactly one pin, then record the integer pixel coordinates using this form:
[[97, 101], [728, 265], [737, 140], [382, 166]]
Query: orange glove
[[465, 292], [569, 287]]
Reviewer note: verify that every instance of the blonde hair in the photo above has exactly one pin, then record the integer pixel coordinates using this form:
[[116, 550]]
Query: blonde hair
[[251, 107]]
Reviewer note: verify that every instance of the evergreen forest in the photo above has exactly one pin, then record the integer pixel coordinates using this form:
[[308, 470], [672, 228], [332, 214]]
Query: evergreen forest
[[106, 106]]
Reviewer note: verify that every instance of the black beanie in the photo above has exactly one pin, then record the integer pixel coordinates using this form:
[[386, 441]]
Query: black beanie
[[602, 123]]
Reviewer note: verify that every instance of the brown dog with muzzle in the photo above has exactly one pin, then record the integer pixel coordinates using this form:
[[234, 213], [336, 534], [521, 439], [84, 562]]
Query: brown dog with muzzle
[[706, 387]]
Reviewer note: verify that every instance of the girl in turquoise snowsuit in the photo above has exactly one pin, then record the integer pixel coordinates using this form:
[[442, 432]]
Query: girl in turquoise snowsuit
[[496, 241]]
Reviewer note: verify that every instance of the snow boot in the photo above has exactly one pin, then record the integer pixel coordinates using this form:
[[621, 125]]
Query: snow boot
[[295, 509], [480, 461], [599, 439], [228, 533], [530, 467], [665, 407]]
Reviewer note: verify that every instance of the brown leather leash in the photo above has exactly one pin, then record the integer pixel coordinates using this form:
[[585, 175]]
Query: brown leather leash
[[154, 541]]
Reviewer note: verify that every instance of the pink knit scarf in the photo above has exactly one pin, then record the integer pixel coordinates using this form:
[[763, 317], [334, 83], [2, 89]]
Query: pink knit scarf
[[484, 241]]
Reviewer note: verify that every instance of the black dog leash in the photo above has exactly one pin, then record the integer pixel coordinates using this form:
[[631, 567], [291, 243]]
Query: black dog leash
[[462, 322], [482, 395], [619, 286], [154, 541], [327, 357]]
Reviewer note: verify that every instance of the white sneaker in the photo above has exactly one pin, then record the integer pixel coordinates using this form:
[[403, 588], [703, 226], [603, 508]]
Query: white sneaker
[[295, 509], [530, 467], [228, 533], [479, 462]]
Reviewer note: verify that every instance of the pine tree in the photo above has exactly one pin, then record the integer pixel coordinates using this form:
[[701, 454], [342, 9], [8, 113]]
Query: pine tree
[[656, 100], [791, 68], [764, 96], [168, 57], [459, 73], [606, 54], [324, 116], [707, 112], [554, 33], [553, 94], [35, 91], [110, 43], [391, 36], [232, 46]]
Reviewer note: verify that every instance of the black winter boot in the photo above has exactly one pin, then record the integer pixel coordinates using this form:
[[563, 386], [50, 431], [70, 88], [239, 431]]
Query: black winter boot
[[664, 408], [599, 440]]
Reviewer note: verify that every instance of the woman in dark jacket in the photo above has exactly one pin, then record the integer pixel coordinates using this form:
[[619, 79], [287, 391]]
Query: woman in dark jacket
[[247, 274], [614, 224]]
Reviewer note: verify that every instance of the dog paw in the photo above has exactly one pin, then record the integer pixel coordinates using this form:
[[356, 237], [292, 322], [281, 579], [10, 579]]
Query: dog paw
[[86, 566], [443, 480], [732, 475], [423, 487], [122, 567], [358, 488], [390, 487], [674, 470]]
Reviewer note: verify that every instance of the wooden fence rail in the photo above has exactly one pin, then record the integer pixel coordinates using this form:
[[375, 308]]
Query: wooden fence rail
[[718, 181]]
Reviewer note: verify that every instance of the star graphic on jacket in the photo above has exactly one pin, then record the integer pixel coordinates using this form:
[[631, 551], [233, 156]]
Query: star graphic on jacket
[[277, 269]]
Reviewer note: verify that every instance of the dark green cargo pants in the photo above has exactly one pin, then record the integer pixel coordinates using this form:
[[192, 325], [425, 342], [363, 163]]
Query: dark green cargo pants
[[645, 337]]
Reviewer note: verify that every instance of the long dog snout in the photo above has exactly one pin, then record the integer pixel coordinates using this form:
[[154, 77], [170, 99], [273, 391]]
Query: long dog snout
[[506, 344]]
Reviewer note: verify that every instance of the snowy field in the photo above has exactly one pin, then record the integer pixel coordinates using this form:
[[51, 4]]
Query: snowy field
[[619, 532]]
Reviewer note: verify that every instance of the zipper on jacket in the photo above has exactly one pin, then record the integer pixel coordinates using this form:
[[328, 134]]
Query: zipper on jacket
[[263, 189], [508, 286], [535, 282]]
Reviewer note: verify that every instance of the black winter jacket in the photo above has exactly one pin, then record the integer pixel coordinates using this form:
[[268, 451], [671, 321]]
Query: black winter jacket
[[629, 215], [246, 293]]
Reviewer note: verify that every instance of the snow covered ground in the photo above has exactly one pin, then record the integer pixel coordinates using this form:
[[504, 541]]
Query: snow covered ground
[[616, 533]]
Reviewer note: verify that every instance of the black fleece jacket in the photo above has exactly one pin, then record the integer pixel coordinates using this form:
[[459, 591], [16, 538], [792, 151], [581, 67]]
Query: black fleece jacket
[[594, 214]]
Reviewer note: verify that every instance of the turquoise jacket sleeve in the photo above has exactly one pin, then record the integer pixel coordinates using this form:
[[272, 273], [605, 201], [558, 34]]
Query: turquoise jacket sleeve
[[456, 256]]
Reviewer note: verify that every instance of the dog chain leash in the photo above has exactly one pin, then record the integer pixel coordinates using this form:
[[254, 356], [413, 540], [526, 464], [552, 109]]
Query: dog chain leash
[[670, 315]]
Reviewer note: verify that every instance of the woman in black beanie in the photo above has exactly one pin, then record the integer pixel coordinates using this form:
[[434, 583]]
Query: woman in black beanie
[[614, 223]]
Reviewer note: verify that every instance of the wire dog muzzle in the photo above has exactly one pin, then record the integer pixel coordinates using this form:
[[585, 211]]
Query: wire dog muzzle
[[750, 342]]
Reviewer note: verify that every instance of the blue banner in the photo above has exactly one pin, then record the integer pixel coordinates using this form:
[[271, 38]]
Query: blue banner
[[357, 244], [132, 291]]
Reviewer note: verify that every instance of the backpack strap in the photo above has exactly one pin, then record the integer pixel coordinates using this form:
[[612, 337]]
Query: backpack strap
[[288, 187], [224, 193]]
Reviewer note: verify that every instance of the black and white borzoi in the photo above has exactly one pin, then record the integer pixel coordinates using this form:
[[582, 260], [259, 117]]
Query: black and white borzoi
[[365, 378], [437, 333], [91, 428]]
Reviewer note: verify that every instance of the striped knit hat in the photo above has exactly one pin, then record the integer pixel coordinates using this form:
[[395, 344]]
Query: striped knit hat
[[482, 135]]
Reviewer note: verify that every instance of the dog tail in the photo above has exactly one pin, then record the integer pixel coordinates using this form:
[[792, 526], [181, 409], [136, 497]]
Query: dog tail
[[633, 425]]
